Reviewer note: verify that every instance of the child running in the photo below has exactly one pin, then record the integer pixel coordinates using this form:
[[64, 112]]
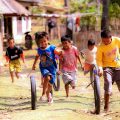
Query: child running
[[47, 65], [108, 61], [68, 63], [13, 55], [89, 55]]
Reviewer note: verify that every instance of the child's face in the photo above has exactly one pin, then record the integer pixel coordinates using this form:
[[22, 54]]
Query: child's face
[[90, 47], [43, 43], [66, 45], [106, 41], [11, 43]]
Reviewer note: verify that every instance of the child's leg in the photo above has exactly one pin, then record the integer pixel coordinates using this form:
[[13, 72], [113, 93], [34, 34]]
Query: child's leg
[[118, 84], [12, 76], [67, 90], [45, 84], [72, 83], [42, 80], [18, 69], [106, 99], [48, 92], [17, 74], [108, 74], [11, 69]]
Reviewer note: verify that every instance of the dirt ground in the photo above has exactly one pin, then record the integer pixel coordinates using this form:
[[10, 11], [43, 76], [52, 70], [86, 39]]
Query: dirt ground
[[15, 98]]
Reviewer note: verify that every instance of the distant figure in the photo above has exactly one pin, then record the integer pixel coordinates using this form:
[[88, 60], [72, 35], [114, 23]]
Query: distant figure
[[28, 40], [13, 55], [51, 25]]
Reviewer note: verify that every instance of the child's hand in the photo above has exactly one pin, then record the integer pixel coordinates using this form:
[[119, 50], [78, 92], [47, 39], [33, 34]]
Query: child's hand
[[6, 64], [82, 68], [25, 65], [59, 72], [100, 71]]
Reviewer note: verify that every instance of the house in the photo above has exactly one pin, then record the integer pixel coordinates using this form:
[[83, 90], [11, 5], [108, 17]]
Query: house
[[15, 20]]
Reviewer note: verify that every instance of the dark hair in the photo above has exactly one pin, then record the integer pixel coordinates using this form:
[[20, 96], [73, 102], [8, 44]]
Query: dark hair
[[105, 34], [65, 38], [91, 42], [51, 23], [44, 33], [40, 35], [9, 39]]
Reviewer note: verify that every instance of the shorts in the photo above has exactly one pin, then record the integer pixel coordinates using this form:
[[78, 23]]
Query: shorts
[[111, 75], [87, 67], [15, 65], [46, 72], [69, 78]]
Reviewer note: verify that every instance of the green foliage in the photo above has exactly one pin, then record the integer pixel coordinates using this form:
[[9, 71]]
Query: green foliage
[[82, 6], [114, 10], [36, 10], [89, 21], [115, 1]]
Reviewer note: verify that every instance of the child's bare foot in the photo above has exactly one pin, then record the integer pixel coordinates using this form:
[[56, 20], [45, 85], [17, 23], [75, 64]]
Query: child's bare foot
[[43, 98], [106, 109], [93, 112], [12, 81], [50, 99]]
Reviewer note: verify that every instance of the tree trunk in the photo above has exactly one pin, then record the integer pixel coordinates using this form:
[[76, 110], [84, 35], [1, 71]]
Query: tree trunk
[[66, 3], [1, 38], [68, 31], [105, 15]]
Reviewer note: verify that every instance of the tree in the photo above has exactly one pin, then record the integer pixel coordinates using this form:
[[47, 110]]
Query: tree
[[66, 3], [105, 15], [115, 1]]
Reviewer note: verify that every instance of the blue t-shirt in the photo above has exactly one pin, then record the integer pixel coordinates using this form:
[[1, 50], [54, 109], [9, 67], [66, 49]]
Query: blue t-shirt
[[47, 59]]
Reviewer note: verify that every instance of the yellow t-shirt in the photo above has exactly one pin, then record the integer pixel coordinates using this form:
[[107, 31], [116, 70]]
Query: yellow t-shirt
[[108, 55]]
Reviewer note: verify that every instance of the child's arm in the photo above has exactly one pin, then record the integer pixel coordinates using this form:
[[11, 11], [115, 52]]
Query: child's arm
[[57, 52], [60, 64], [7, 59], [79, 59], [35, 61], [22, 57]]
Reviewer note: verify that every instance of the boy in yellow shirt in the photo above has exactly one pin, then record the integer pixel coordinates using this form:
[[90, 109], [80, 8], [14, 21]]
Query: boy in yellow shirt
[[109, 63]]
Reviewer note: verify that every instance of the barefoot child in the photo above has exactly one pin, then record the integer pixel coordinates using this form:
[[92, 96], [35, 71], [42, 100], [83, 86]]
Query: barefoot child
[[108, 61], [47, 65], [13, 55], [68, 63]]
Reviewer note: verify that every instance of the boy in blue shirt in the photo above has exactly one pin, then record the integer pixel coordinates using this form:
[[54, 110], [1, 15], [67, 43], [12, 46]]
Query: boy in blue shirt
[[47, 65]]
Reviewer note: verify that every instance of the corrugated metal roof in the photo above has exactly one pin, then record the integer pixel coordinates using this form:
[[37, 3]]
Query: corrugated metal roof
[[12, 7]]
